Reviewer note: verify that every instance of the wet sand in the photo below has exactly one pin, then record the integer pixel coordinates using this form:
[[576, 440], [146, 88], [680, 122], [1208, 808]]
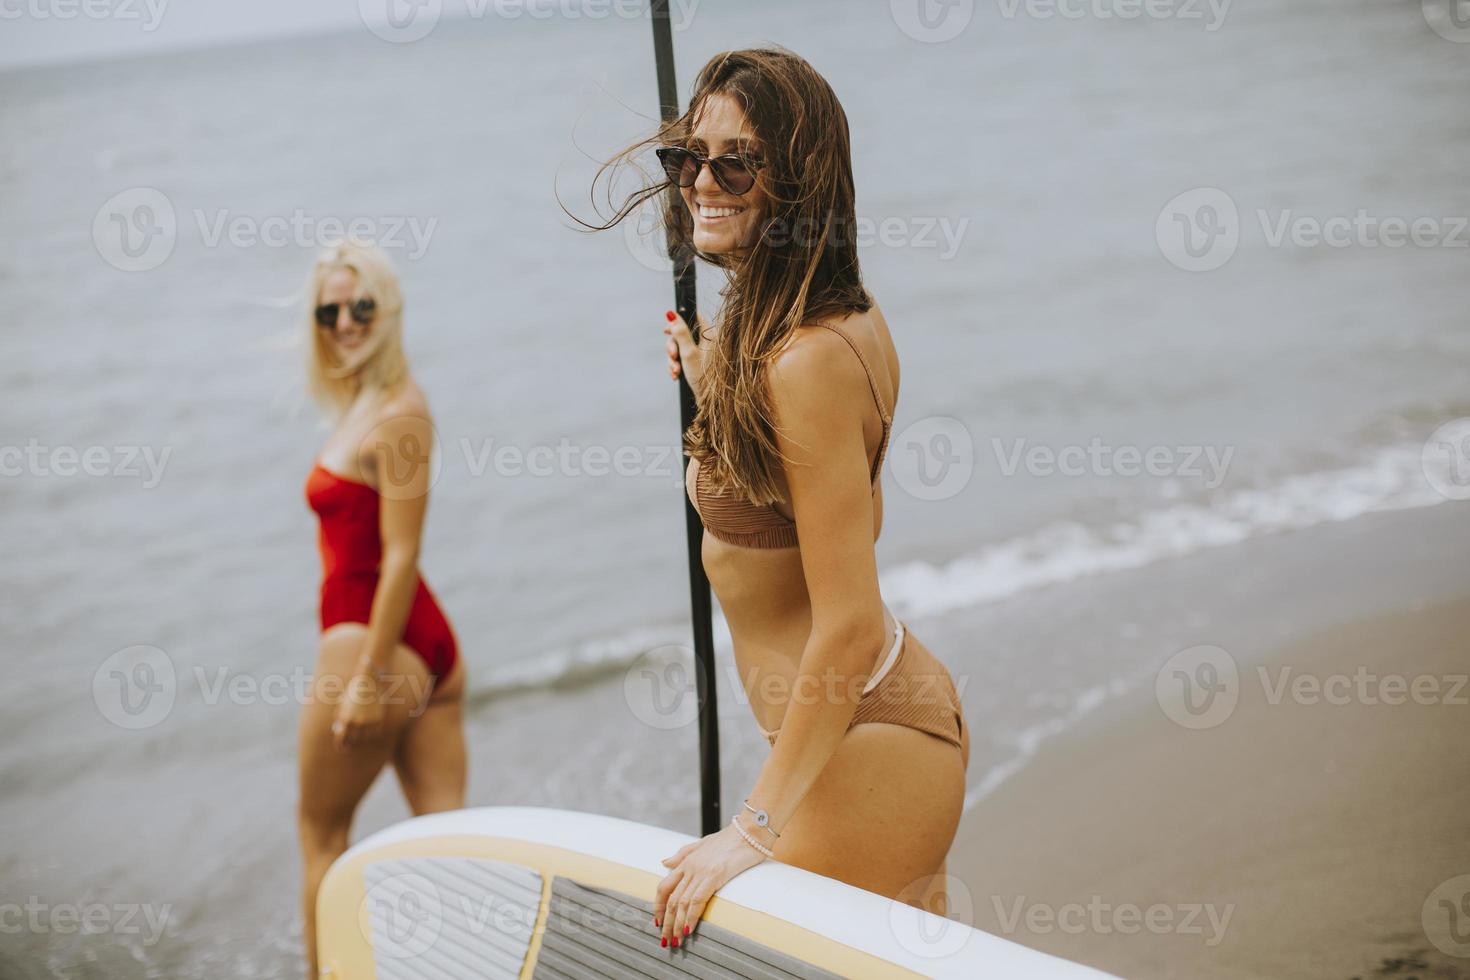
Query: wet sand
[[1298, 834]]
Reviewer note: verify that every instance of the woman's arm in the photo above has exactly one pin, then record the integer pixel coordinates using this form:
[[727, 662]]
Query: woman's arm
[[401, 447], [814, 386]]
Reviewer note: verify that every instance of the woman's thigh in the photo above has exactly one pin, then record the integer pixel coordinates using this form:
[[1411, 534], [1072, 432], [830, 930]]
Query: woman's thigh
[[431, 759], [331, 780], [883, 812]]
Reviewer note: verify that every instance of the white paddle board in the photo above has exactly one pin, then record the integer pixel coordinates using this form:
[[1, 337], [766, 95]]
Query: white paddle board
[[531, 892]]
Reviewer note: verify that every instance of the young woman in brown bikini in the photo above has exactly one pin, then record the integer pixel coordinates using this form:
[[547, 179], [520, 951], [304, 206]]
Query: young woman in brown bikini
[[797, 382]]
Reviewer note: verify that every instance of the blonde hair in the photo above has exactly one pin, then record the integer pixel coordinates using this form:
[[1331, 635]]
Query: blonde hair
[[378, 366]]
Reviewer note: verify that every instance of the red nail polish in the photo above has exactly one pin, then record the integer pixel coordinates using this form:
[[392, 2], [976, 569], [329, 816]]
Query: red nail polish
[[670, 316], [676, 940], [663, 941], [686, 930], [657, 923]]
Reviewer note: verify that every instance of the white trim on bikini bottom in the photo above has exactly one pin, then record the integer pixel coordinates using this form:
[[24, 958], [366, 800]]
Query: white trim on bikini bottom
[[882, 671]]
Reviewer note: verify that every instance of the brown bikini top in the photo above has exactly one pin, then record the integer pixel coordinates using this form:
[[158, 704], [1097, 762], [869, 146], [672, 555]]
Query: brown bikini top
[[732, 518]]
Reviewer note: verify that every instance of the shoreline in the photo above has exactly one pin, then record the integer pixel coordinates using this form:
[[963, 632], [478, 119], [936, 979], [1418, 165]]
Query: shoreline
[[1297, 833]]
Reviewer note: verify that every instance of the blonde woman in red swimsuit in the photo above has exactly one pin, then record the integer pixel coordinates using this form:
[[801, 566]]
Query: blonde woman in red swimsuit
[[389, 679], [797, 382]]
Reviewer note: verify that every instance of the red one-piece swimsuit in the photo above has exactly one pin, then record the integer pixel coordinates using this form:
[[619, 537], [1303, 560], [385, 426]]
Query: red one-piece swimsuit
[[352, 550]]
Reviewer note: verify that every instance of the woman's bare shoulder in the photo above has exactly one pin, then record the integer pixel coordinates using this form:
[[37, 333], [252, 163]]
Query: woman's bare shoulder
[[406, 401], [819, 361]]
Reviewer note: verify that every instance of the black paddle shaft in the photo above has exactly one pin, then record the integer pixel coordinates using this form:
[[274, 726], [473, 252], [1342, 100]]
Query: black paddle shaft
[[699, 595]]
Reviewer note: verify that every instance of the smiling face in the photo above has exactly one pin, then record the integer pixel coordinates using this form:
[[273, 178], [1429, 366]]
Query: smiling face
[[723, 222], [341, 287]]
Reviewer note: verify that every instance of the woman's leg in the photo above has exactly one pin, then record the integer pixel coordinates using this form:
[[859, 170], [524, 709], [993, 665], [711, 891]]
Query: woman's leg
[[333, 781], [882, 814], [431, 758]]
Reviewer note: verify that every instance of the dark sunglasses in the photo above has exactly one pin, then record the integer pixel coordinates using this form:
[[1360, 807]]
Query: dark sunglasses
[[734, 174], [361, 310]]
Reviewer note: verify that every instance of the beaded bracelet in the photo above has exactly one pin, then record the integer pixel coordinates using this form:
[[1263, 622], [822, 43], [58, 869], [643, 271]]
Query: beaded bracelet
[[735, 822]]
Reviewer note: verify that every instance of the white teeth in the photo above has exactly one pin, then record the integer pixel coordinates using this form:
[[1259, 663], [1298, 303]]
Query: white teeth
[[705, 211]]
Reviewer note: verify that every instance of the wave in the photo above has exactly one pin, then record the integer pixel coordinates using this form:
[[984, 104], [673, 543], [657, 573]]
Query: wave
[[1392, 478]]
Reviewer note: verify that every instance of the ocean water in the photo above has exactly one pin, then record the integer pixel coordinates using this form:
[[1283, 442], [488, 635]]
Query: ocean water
[[1017, 182]]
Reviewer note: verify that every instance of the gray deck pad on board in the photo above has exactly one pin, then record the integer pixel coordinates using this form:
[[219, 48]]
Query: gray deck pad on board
[[451, 918], [597, 932]]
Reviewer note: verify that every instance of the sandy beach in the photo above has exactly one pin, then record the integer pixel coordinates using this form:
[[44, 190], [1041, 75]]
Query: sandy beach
[[1297, 832]]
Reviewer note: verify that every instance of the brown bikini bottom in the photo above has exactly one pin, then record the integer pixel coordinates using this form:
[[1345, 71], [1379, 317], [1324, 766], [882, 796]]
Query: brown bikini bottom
[[916, 692]]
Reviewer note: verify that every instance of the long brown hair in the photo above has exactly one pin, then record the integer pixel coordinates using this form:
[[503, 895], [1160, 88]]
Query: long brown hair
[[801, 267]]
